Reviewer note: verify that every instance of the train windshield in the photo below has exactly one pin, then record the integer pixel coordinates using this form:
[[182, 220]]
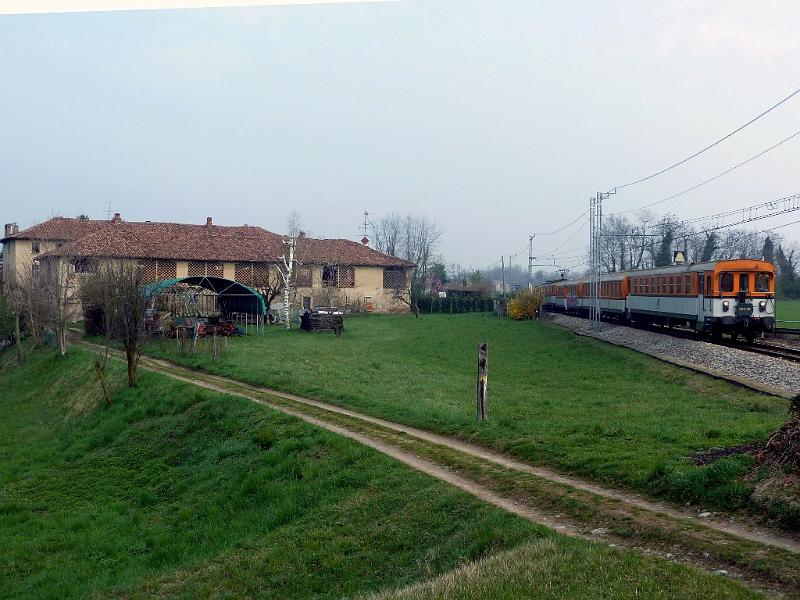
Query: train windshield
[[762, 282], [744, 282], [726, 282]]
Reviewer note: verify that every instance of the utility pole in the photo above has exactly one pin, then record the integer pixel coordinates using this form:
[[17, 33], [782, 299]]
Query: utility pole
[[503, 271], [530, 262], [596, 254]]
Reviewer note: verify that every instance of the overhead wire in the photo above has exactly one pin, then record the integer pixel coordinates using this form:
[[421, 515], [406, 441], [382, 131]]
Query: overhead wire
[[569, 239], [702, 183], [570, 224], [709, 147]]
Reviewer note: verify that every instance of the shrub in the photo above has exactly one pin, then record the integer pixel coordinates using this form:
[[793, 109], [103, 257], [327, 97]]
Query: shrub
[[525, 304]]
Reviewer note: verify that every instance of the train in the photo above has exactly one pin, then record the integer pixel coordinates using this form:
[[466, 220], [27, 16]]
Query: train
[[731, 297]]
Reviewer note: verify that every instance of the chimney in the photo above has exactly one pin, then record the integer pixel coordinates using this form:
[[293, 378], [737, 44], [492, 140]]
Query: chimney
[[9, 229], [208, 221], [117, 218], [301, 234]]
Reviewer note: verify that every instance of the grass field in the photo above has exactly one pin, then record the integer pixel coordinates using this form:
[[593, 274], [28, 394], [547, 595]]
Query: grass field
[[788, 310], [174, 491], [571, 403]]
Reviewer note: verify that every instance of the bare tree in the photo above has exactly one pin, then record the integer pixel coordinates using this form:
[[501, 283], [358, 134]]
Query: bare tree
[[59, 297], [387, 234], [414, 238], [294, 224], [116, 289], [16, 303], [287, 269]]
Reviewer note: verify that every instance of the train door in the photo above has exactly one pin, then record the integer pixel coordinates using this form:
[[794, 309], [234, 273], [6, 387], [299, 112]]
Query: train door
[[700, 299]]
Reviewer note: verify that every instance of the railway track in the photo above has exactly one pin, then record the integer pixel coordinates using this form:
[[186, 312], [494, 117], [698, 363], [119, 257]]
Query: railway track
[[758, 347], [792, 354]]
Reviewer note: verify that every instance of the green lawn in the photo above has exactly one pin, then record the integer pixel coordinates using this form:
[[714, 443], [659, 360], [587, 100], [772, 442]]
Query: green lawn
[[788, 310], [575, 404], [175, 491]]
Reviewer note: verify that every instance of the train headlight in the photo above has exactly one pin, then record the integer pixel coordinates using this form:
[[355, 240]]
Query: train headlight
[[725, 305], [762, 306]]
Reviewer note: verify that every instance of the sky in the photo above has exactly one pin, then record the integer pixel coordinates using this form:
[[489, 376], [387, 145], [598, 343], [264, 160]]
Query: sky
[[497, 119]]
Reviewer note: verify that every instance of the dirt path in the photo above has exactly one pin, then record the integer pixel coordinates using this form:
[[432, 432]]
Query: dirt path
[[251, 392]]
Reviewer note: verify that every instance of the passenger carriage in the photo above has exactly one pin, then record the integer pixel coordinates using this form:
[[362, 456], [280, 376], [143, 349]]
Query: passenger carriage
[[736, 297]]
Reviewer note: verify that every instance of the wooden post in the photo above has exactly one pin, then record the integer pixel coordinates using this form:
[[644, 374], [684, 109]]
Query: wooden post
[[483, 372]]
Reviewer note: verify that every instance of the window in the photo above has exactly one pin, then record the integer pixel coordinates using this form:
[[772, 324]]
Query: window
[[215, 269], [148, 267], [679, 284], [347, 277], [726, 282], [304, 277], [82, 265], [744, 282], [243, 273], [762, 282], [167, 269], [329, 278], [709, 287], [196, 268], [688, 284], [701, 288], [35, 247], [261, 275], [394, 278]]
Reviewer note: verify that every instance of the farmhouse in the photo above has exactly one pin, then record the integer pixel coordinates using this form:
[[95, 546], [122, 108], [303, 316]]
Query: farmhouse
[[329, 271]]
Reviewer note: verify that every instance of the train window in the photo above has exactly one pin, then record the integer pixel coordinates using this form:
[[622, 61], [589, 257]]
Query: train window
[[688, 284], [701, 287], [744, 282], [762, 282], [726, 282], [679, 284], [709, 287]]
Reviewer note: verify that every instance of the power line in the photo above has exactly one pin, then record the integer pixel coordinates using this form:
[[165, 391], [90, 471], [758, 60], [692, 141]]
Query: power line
[[569, 239], [702, 183], [779, 226], [719, 141], [560, 229], [790, 204]]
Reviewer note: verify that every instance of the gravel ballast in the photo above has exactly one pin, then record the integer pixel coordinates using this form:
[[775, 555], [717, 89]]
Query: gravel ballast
[[775, 372]]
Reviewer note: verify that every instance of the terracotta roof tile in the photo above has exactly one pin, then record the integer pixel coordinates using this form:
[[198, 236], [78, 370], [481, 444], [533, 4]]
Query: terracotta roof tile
[[178, 241], [345, 252], [61, 229]]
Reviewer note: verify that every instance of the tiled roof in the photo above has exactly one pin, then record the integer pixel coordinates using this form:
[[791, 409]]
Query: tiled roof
[[178, 241], [61, 229], [345, 252]]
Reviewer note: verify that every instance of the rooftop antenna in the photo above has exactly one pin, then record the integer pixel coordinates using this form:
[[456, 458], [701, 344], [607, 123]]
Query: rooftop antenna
[[108, 212], [365, 239]]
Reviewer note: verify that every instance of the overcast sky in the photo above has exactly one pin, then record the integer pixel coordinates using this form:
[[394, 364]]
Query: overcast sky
[[497, 119]]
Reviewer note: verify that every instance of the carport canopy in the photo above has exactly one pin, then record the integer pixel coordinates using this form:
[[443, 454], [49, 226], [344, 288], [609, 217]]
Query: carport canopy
[[235, 296]]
